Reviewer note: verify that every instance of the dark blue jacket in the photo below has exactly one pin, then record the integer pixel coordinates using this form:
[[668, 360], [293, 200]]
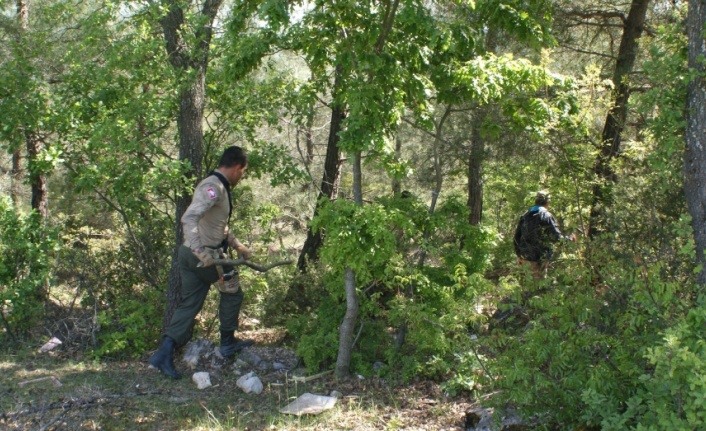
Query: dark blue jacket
[[535, 233]]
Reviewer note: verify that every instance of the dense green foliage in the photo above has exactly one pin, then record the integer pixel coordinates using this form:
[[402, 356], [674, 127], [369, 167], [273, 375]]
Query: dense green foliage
[[26, 254], [612, 338]]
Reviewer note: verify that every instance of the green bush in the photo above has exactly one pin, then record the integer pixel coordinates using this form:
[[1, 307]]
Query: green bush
[[122, 280], [434, 302], [26, 254], [591, 350], [130, 326], [671, 393]]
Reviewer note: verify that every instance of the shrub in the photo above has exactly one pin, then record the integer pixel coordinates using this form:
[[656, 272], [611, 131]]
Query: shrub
[[26, 254]]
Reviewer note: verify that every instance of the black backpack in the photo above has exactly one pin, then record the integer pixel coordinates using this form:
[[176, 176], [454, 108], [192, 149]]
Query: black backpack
[[529, 242]]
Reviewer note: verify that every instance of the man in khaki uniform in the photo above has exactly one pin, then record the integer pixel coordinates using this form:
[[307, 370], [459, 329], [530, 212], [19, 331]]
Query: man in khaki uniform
[[205, 225]]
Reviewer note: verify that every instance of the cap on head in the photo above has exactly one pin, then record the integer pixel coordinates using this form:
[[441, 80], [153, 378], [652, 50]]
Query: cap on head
[[542, 197]]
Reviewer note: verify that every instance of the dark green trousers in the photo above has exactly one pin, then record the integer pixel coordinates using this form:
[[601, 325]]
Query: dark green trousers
[[195, 283]]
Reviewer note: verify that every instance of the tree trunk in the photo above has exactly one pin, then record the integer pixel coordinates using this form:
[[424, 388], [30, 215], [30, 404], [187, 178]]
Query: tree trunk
[[309, 137], [396, 182], [190, 148], [17, 173], [477, 155], [194, 61], [38, 179], [695, 152], [329, 180], [33, 145], [475, 170], [615, 120], [347, 328]]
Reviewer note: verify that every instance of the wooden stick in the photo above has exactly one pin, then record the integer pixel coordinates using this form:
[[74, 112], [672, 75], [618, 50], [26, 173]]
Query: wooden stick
[[54, 380], [253, 265], [300, 379]]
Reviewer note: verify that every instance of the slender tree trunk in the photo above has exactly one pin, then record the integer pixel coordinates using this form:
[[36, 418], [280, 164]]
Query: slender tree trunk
[[396, 183], [33, 144], [309, 138], [477, 155], [189, 60], [695, 152], [347, 328], [16, 175], [475, 169], [346, 331], [615, 121], [38, 179], [33, 147], [329, 180]]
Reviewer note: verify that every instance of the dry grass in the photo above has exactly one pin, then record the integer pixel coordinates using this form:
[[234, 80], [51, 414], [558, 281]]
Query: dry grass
[[127, 395]]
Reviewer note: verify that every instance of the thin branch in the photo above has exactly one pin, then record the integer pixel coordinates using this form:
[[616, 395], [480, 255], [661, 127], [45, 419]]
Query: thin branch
[[253, 265], [583, 51]]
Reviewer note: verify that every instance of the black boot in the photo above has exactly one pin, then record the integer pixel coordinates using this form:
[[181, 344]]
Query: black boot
[[230, 345], [163, 359]]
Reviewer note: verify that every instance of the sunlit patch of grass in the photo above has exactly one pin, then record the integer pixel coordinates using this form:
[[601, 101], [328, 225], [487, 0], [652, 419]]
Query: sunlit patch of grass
[[128, 395]]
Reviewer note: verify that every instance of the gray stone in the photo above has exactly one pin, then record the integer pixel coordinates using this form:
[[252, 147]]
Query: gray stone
[[250, 383], [202, 380], [250, 357]]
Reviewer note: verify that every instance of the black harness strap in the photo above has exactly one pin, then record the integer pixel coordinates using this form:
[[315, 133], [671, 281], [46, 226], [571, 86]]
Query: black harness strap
[[226, 184]]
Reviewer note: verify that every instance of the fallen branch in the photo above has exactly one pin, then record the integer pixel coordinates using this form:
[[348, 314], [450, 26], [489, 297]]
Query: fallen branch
[[253, 265], [53, 379], [302, 379]]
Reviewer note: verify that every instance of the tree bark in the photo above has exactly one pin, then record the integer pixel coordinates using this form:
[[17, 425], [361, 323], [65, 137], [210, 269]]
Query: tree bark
[[191, 61], [396, 183], [477, 154], [475, 170], [695, 152], [38, 179], [347, 328], [329, 180], [33, 144], [17, 171], [16, 175], [615, 120]]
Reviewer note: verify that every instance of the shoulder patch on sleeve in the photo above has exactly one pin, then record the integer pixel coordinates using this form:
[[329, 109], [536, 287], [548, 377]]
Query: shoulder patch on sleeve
[[211, 192]]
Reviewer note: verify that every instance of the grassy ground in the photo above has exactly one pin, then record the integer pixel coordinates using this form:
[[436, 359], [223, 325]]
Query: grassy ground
[[58, 391]]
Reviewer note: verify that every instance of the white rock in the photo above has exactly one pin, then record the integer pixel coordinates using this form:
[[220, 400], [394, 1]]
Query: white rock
[[50, 345], [309, 404], [250, 383], [195, 350], [202, 379]]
